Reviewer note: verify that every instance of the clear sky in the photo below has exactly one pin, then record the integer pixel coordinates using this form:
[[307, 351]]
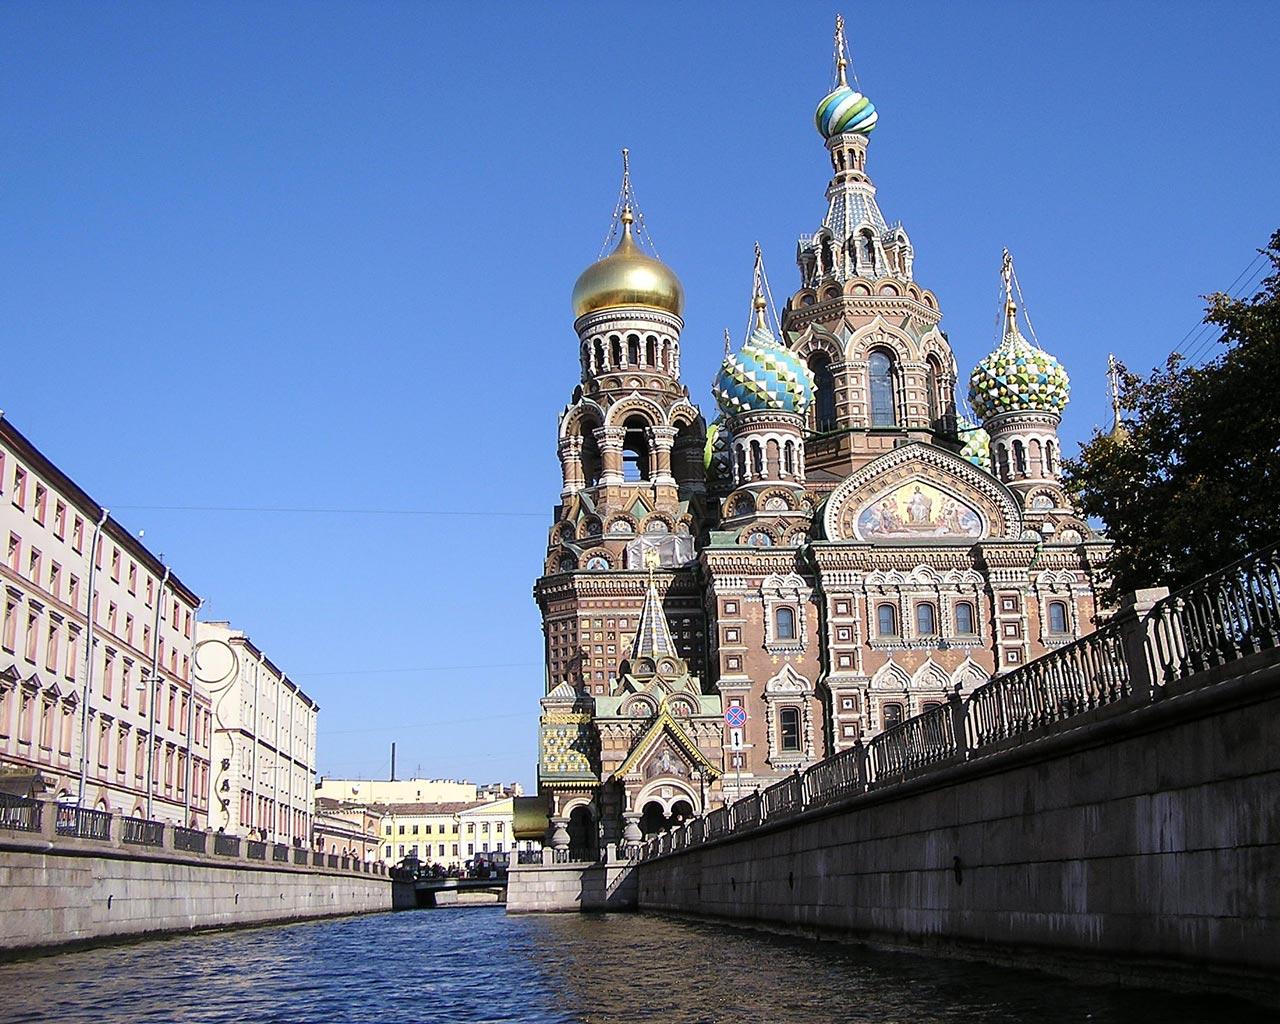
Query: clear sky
[[319, 256]]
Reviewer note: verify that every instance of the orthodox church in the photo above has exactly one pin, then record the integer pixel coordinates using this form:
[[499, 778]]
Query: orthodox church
[[837, 550]]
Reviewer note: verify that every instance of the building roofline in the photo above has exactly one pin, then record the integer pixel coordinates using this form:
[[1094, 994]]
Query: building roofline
[[45, 467]]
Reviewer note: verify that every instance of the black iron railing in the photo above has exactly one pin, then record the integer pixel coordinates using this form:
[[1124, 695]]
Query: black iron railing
[[20, 813], [141, 832], [228, 846], [192, 840], [1231, 615], [255, 849], [83, 822], [280, 853]]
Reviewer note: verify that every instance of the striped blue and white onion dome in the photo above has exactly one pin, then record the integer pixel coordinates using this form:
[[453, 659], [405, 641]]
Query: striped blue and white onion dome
[[845, 110], [762, 376], [1018, 377]]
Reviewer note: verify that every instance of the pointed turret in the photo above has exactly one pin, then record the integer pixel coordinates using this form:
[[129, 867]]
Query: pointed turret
[[653, 637]]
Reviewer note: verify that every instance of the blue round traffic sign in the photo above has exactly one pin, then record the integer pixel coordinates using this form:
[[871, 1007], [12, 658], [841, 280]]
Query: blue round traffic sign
[[736, 716]]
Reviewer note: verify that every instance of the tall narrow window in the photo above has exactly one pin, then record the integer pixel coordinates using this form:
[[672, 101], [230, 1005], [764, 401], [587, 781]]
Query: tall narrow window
[[789, 728], [824, 397], [635, 449], [1057, 617], [786, 622], [964, 619], [880, 381], [926, 620], [886, 620], [789, 458], [1019, 458], [757, 460], [892, 714]]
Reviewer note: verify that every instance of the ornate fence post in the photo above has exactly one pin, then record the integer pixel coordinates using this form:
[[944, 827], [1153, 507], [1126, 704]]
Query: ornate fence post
[[1138, 627], [959, 720], [863, 763]]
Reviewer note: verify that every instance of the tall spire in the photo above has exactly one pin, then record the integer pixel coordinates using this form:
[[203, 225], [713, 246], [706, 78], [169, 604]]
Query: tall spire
[[757, 291], [842, 52], [1118, 429], [1010, 307], [653, 636]]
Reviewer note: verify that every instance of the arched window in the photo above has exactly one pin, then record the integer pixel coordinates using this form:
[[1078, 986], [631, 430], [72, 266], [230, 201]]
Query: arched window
[[741, 453], [590, 456], [1033, 452], [633, 349], [773, 460], [599, 344], [824, 396], [1050, 458], [1002, 461], [789, 458], [1019, 458], [964, 619], [936, 407], [757, 460], [869, 252], [789, 729], [785, 621], [892, 714], [886, 620], [651, 350], [926, 619], [880, 384], [1057, 617], [635, 449], [615, 343]]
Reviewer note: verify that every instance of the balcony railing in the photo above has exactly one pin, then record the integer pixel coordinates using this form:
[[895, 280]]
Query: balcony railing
[[255, 850], [141, 832], [1231, 615], [280, 853], [20, 813]]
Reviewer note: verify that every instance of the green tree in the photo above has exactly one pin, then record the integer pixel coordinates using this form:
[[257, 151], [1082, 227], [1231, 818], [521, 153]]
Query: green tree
[[1191, 481]]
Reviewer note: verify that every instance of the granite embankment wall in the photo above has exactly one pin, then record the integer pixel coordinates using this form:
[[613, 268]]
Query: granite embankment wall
[[1140, 844], [60, 890], [566, 887]]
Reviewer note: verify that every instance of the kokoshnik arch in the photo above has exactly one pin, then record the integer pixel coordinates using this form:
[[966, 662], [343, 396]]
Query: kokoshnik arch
[[838, 550]]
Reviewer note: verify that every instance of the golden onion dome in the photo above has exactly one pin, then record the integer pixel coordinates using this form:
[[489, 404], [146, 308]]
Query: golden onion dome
[[627, 277]]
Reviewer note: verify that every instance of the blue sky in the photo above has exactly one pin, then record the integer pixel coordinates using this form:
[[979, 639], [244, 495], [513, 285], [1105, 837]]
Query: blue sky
[[319, 256]]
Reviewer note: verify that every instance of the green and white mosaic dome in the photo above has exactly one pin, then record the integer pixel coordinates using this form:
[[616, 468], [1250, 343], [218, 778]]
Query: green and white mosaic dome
[[762, 375], [977, 443], [1018, 377]]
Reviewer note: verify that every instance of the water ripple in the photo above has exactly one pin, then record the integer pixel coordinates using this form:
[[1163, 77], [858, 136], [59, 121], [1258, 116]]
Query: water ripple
[[473, 965]]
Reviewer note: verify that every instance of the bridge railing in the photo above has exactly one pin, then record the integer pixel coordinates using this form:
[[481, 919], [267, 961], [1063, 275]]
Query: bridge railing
[[20, 813], [1158, 639]]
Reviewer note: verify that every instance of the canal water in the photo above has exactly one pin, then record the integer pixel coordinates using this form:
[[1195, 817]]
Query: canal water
[[477, 964]]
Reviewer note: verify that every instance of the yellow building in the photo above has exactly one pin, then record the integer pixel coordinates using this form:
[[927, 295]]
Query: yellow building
[[448, 834]]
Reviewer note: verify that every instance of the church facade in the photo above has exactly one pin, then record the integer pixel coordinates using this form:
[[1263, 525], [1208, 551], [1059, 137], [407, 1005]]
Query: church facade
[[836, 550]]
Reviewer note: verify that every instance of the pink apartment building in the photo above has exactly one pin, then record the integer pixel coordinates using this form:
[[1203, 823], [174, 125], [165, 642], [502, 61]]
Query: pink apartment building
[[97, 701]]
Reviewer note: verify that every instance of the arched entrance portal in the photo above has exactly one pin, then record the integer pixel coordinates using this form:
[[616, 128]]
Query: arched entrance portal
[[653, 819], [583, 842], [681, 811]]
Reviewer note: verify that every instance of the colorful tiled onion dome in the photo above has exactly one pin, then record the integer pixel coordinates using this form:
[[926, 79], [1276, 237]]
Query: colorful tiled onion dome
[[1018, 377], [845, 110], [977, 443], [762, 376]]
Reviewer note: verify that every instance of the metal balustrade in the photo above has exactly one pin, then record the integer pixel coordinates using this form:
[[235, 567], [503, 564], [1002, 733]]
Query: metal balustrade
[[193, 840], [20, 813], [141, 832], [255, 849], [228, 846], [280, 853], [83, 822], [836, 777], [1229, 615], [1233, 614]]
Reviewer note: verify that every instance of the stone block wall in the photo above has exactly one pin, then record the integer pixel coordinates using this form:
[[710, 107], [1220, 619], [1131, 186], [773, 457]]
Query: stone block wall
[[1152, 837], [79, 891], [561, 888]]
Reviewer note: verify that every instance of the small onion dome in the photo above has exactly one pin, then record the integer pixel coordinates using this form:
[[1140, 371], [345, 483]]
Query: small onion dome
[[977, 443], [762, 376], [1018, 377], [627, 277], [845, 110]]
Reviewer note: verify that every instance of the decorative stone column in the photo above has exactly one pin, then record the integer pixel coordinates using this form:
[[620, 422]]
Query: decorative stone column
[[571, 465], [661, 440], [560, 834], [610, 440], [631, 831]]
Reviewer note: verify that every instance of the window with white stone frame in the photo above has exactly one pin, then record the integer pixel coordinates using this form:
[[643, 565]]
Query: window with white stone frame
[[1059, 620], [785, 600], [789, 701]]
